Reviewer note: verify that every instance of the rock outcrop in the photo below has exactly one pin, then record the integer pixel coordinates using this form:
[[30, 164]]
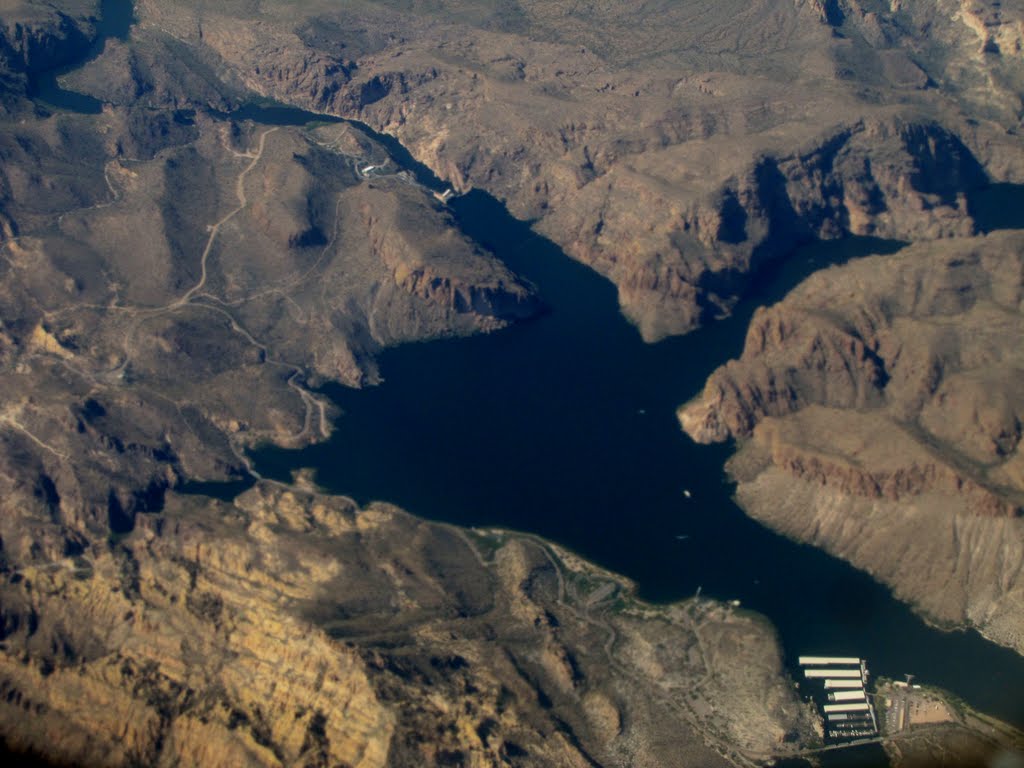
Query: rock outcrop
[[291, 628], [879, 410], [676, 164], [421, 266], [36, 36]]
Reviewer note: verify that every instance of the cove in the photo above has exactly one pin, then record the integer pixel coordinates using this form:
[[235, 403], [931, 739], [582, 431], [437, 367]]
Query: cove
[[115, 21], [565, 427]]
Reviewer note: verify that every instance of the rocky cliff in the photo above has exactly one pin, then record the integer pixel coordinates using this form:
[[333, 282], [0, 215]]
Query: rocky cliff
[[676, 163], [879, 408], [292, 628], [37, 36]]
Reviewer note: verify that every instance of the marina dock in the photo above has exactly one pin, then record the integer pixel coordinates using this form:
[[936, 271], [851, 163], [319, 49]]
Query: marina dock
[[857, 695], [862, 706], [843, 698], [818, 661], [848, 683], [833, 673]]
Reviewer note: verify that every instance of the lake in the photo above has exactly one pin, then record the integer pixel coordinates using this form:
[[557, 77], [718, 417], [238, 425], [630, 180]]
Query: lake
[[115, 21], [564, 426]]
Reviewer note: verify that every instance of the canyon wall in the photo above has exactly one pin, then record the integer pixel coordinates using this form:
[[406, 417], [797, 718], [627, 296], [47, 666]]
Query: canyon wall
[[880, 402], [677, 165]]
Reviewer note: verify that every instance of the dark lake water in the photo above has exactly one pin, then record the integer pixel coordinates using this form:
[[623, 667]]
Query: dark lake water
[[115, 21], [565, 426]]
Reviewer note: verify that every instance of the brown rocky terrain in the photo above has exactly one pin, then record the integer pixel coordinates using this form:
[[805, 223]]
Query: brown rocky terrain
[[140, 300], [175, 282], [173, 285], [291, 628], [879, 410], [38, 36], [675, 148]]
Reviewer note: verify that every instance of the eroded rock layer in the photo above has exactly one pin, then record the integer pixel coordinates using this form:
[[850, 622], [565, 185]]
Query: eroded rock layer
[[880, 409], [674, 147], [291, 628]]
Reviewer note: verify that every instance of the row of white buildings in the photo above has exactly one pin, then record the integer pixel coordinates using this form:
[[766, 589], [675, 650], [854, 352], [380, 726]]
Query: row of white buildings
[[849, 714]]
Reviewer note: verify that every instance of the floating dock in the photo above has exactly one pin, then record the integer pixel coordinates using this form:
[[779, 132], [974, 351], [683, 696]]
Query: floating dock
[[846, 720], [851, 720], [865, 733], [857, 695], [833, 673], [848, 712], [821, 661], [862, 706], [848, 683]]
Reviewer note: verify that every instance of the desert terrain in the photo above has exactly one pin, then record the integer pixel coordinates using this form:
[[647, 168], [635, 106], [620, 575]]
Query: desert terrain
[[178, 282]]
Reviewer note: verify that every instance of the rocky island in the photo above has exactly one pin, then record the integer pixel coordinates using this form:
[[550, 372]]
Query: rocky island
[[180, 280]]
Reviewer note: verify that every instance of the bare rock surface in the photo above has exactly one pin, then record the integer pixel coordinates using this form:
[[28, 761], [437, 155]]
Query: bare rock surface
[[675, 147], [293, 628], [37, 35], [879, 409]]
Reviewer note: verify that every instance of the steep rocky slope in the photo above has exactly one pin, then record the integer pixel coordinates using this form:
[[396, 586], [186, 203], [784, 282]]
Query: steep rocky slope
[[36, 36], [676, 147], [879, 409], [291, 628]]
